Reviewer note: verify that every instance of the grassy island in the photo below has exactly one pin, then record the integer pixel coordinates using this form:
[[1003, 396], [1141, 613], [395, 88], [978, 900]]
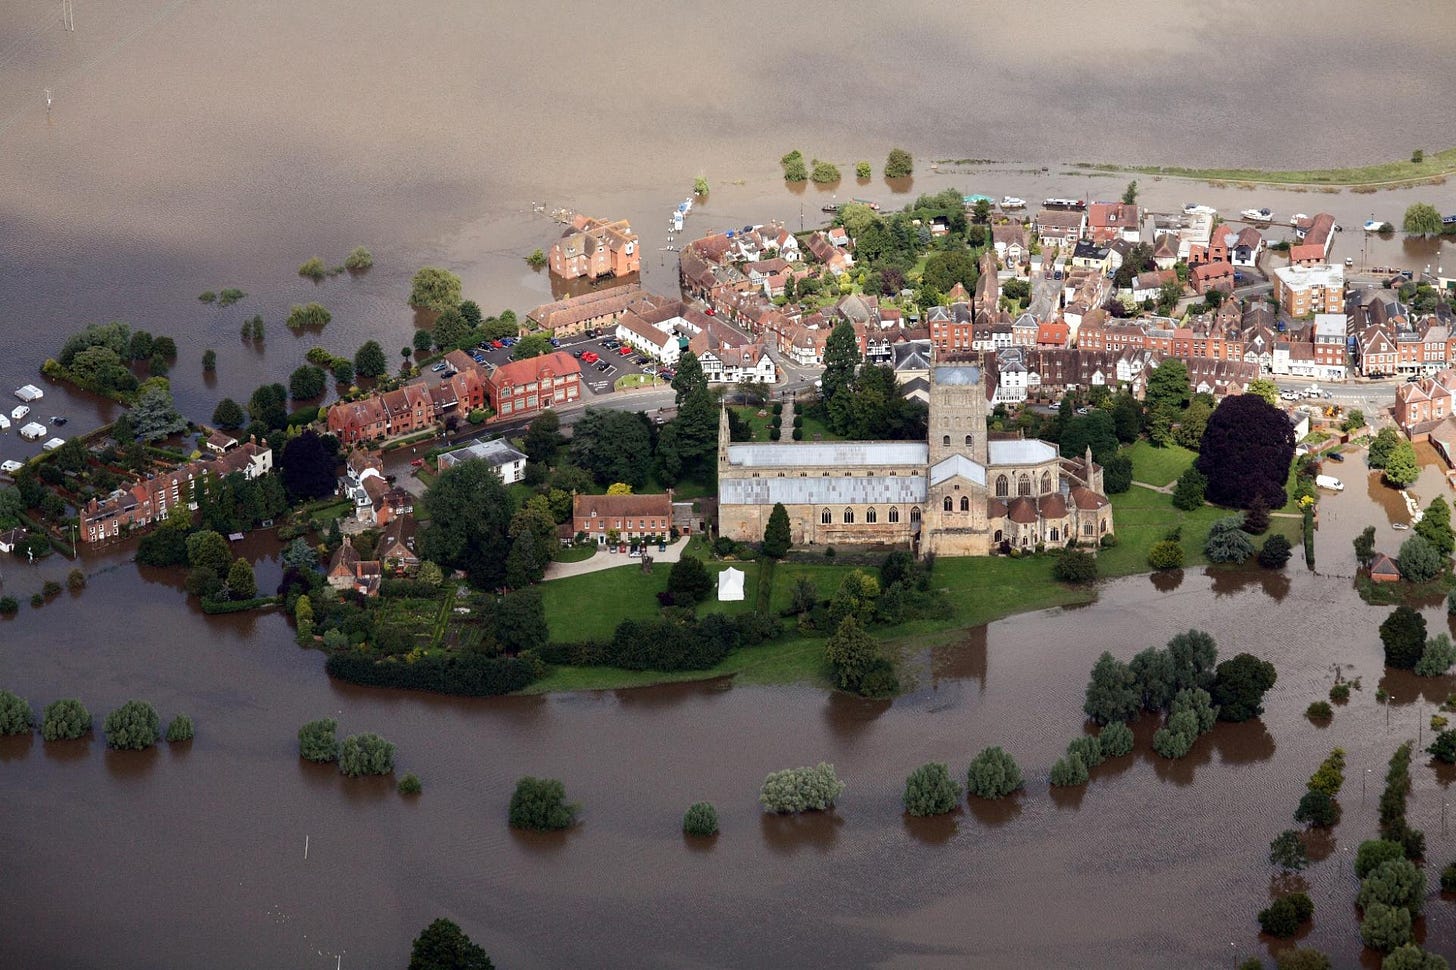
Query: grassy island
[[1422, 168]]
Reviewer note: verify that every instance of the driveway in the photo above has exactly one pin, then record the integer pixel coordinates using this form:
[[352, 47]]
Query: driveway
[[605, 560]]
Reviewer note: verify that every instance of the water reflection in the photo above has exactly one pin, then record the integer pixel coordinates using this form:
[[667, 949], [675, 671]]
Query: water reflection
[[1231, 581], [1069, 797], [1405, 688], [934, 829], [131, 767], [1166, 580], [996, 812], [963, 659], [1181, 771], [67, 751], [700, 844], [1319, 843], [672, 695], [787, 834], [542, 843], [849, 716], [16, 746], [1242, 743]]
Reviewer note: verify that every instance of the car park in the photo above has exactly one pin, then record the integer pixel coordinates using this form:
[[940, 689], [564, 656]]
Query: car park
[[496, 344], [625, 351]]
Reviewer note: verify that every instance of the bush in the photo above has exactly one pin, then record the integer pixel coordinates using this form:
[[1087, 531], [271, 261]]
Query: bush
[[1172, 741], [133, 726], [1075, 566], [930, 790], [1188, 492], [1069, 771], [1394, 882], [1448, 878], [314, 269], [1373, 852], [410, 785], [1317, 809], [180, 729], [1385, 927], [75, 580], [9, 606], [701, 820], [801, 789], [1437, 657], [1276, 552], [1288, 852], [689, 582], [1411, 957], [539, 804], [1330, 775], [993, 774], [316, 741], [1319, 711], [1340, 693], [1403, 635], [899, 164], [462, 674], [1239, 685], [1419, 560], [1116, 740], [357, 262], [65, 720], [1284, 915], [1165, 554], [15, 714], [1227, 541], [1089, 749], [1302, 958], [366, 754]]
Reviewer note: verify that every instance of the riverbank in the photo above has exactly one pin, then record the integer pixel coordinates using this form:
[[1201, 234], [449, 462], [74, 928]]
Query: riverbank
[[1432, 169]]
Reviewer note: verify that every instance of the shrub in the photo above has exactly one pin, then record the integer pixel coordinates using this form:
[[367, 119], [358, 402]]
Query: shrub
[[701, 820], [356, 262], [1411, 957], [1165, 554], [1448, 878], [1171, 742], [410, 785], [1075, 566], [1288, 852], [862, 170], [65, 720], [1227, 541], [1330, 775], [1403, 634], [1069, 771], [993, 774], [1276, 552], [1089, 749], [1188, 492], [75, 580], [8, 606], [308, 316], [316, 741], [1373, 852], [1284, 915], [1437, 657], [930, 790], [539, 804], [1319, 711], [366, 754], [899, 164], [689, 581], [314, 269], [1385, 927], [133, 726], [1317, 809], [180, 729], [1302, 958], [15, 714], [1394, 882], [801, 789], [1116, 740], [1340, 693]]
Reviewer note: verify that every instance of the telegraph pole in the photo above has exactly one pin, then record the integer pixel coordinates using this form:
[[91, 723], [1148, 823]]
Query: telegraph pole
[[68, 15]]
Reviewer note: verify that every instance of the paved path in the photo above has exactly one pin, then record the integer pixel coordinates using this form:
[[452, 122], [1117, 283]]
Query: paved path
[[786, 430], [605, 560]]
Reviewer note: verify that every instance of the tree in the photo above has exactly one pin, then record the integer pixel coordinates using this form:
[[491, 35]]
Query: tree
[[1382, 445], [824, 172], [444, 946], [1188, 492], [1117, 474], [689, 581], [531, 345], [469, 515], [930, 790], [1437, 657], [841, 359], [298, 554], [520, 621], [1165, 554], [15, 714], [776, 535], [1246, 452], [65, 720], [993, 774], [1096, 430], [316, 740], [1069, 771], [614, 446], [343, 370], [155, 416], [307, 382], [1401, 466], [228, 414], [308, 467], [1283, 916], [1435, 526], [1075, 566], [1403, 634], [209, 360], [1365, 547], [1194, 421], [366, 754], [1301, 958], [1287, 851], [859, 665], [1317, 809], [1266, 388], [207, 549], [700, 820], [1395, 882], [1408, 956], [1256, 517], [1227, 541], [945, 268], [241, 583], [309, 316], [1112, 693], [422, 341], [543, 437], [1419, 560], [434, 289], [539, 804], [1168, 388], [1421, 219], [1385, 927], [1115, 740], [1275, 553], [369, 360], [899, 164], [801, 789], [1239, 685], [179, 729], [133, 726], [269, 405]]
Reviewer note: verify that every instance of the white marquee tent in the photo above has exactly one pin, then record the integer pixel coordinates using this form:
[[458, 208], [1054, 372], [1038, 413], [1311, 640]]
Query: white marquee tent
[[730, 585]]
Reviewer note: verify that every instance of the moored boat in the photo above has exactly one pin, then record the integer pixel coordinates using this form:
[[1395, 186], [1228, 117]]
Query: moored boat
[[1257, 215]]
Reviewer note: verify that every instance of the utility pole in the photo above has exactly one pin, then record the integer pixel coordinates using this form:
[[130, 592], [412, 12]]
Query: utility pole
[[68, 15]]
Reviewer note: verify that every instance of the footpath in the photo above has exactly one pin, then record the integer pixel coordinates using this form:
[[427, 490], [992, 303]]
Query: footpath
[[605, 560]]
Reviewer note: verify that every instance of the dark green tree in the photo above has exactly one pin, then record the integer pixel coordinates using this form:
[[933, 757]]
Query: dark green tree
[[1365, 547], [133, 726], [241, 583], [930, 790], [207, 549], [1188, 493], [1075, 566], [1401, 467], [469, 513], [1227, 541], [543, 437], [317, 742], [700, 820], [1112, 693], [1287, 851], [841, 360], [155, 416], [228, 415], [776, 535], [540, 804], [307, 382], [1435, 526], [859, 665], [308, 467], [15, 714], [65, 720], [1403, 634], [993, 774], [1239, 685], [1275, 553], [689, 581], [366, 754], [451, 330], [1382, 445], [520, 621], [269, 406], [1419, 560], [444, 946], [899, 164], [614, 446], [531, 345], [1168, 389], [369, 360]]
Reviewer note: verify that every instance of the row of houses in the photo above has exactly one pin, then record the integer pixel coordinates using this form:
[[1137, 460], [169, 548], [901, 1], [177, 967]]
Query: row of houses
[[727, 354], [149, 500]]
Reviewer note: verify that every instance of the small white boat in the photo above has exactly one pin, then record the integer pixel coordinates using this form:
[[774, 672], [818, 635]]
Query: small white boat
[[20, 412], [1399, 526], [1298, 218], [1191, 207], [1012, 202], [1258, 215], [1373, 225]]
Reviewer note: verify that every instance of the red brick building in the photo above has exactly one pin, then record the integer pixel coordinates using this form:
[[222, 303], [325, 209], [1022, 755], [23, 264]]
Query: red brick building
[[526, 386], [595, 247], [629, 515]]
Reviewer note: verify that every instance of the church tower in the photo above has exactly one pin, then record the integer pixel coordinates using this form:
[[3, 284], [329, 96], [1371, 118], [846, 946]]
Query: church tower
[[724, 437], [957, 423]]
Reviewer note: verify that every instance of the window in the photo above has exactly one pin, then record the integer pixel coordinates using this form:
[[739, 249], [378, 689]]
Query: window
[[968, 441], [998, 535], [894, 513], [825, 517], [870, 516], [945, 440], [1087, 528], [1003, 487], [965, 503], [1054, 535], [949, 505], [1046, 483], [849, 516], [1023, 484], [915, 514]]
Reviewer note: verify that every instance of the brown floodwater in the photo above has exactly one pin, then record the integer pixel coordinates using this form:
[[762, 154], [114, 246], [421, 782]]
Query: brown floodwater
[[195, 146]]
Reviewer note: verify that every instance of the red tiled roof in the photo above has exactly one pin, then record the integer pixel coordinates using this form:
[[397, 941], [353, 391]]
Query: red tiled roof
[[558, 364]]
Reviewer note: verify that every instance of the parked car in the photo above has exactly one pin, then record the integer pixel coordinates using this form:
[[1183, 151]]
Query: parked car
[[667, 375], [1335, 456], [496, 344], [590, 356], [710, 312], [555, 342], [604, 366], [56, 419], [417, 463], [625, 351], [438, 367], [640, 361]]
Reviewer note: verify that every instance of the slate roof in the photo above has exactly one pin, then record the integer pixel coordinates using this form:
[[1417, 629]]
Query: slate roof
[[824, 490], [818, 454], [1019, 452], [958, 465]]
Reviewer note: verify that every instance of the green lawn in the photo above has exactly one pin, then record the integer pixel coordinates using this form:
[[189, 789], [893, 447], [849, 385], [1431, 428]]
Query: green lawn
[[573, 553], [1158, 466], [757, 423], [592, 604], [1434, 165], [816, 430], [1142, 517]]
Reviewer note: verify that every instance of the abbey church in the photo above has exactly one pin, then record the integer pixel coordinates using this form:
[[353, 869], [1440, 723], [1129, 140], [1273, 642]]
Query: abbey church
[[959, 493]]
